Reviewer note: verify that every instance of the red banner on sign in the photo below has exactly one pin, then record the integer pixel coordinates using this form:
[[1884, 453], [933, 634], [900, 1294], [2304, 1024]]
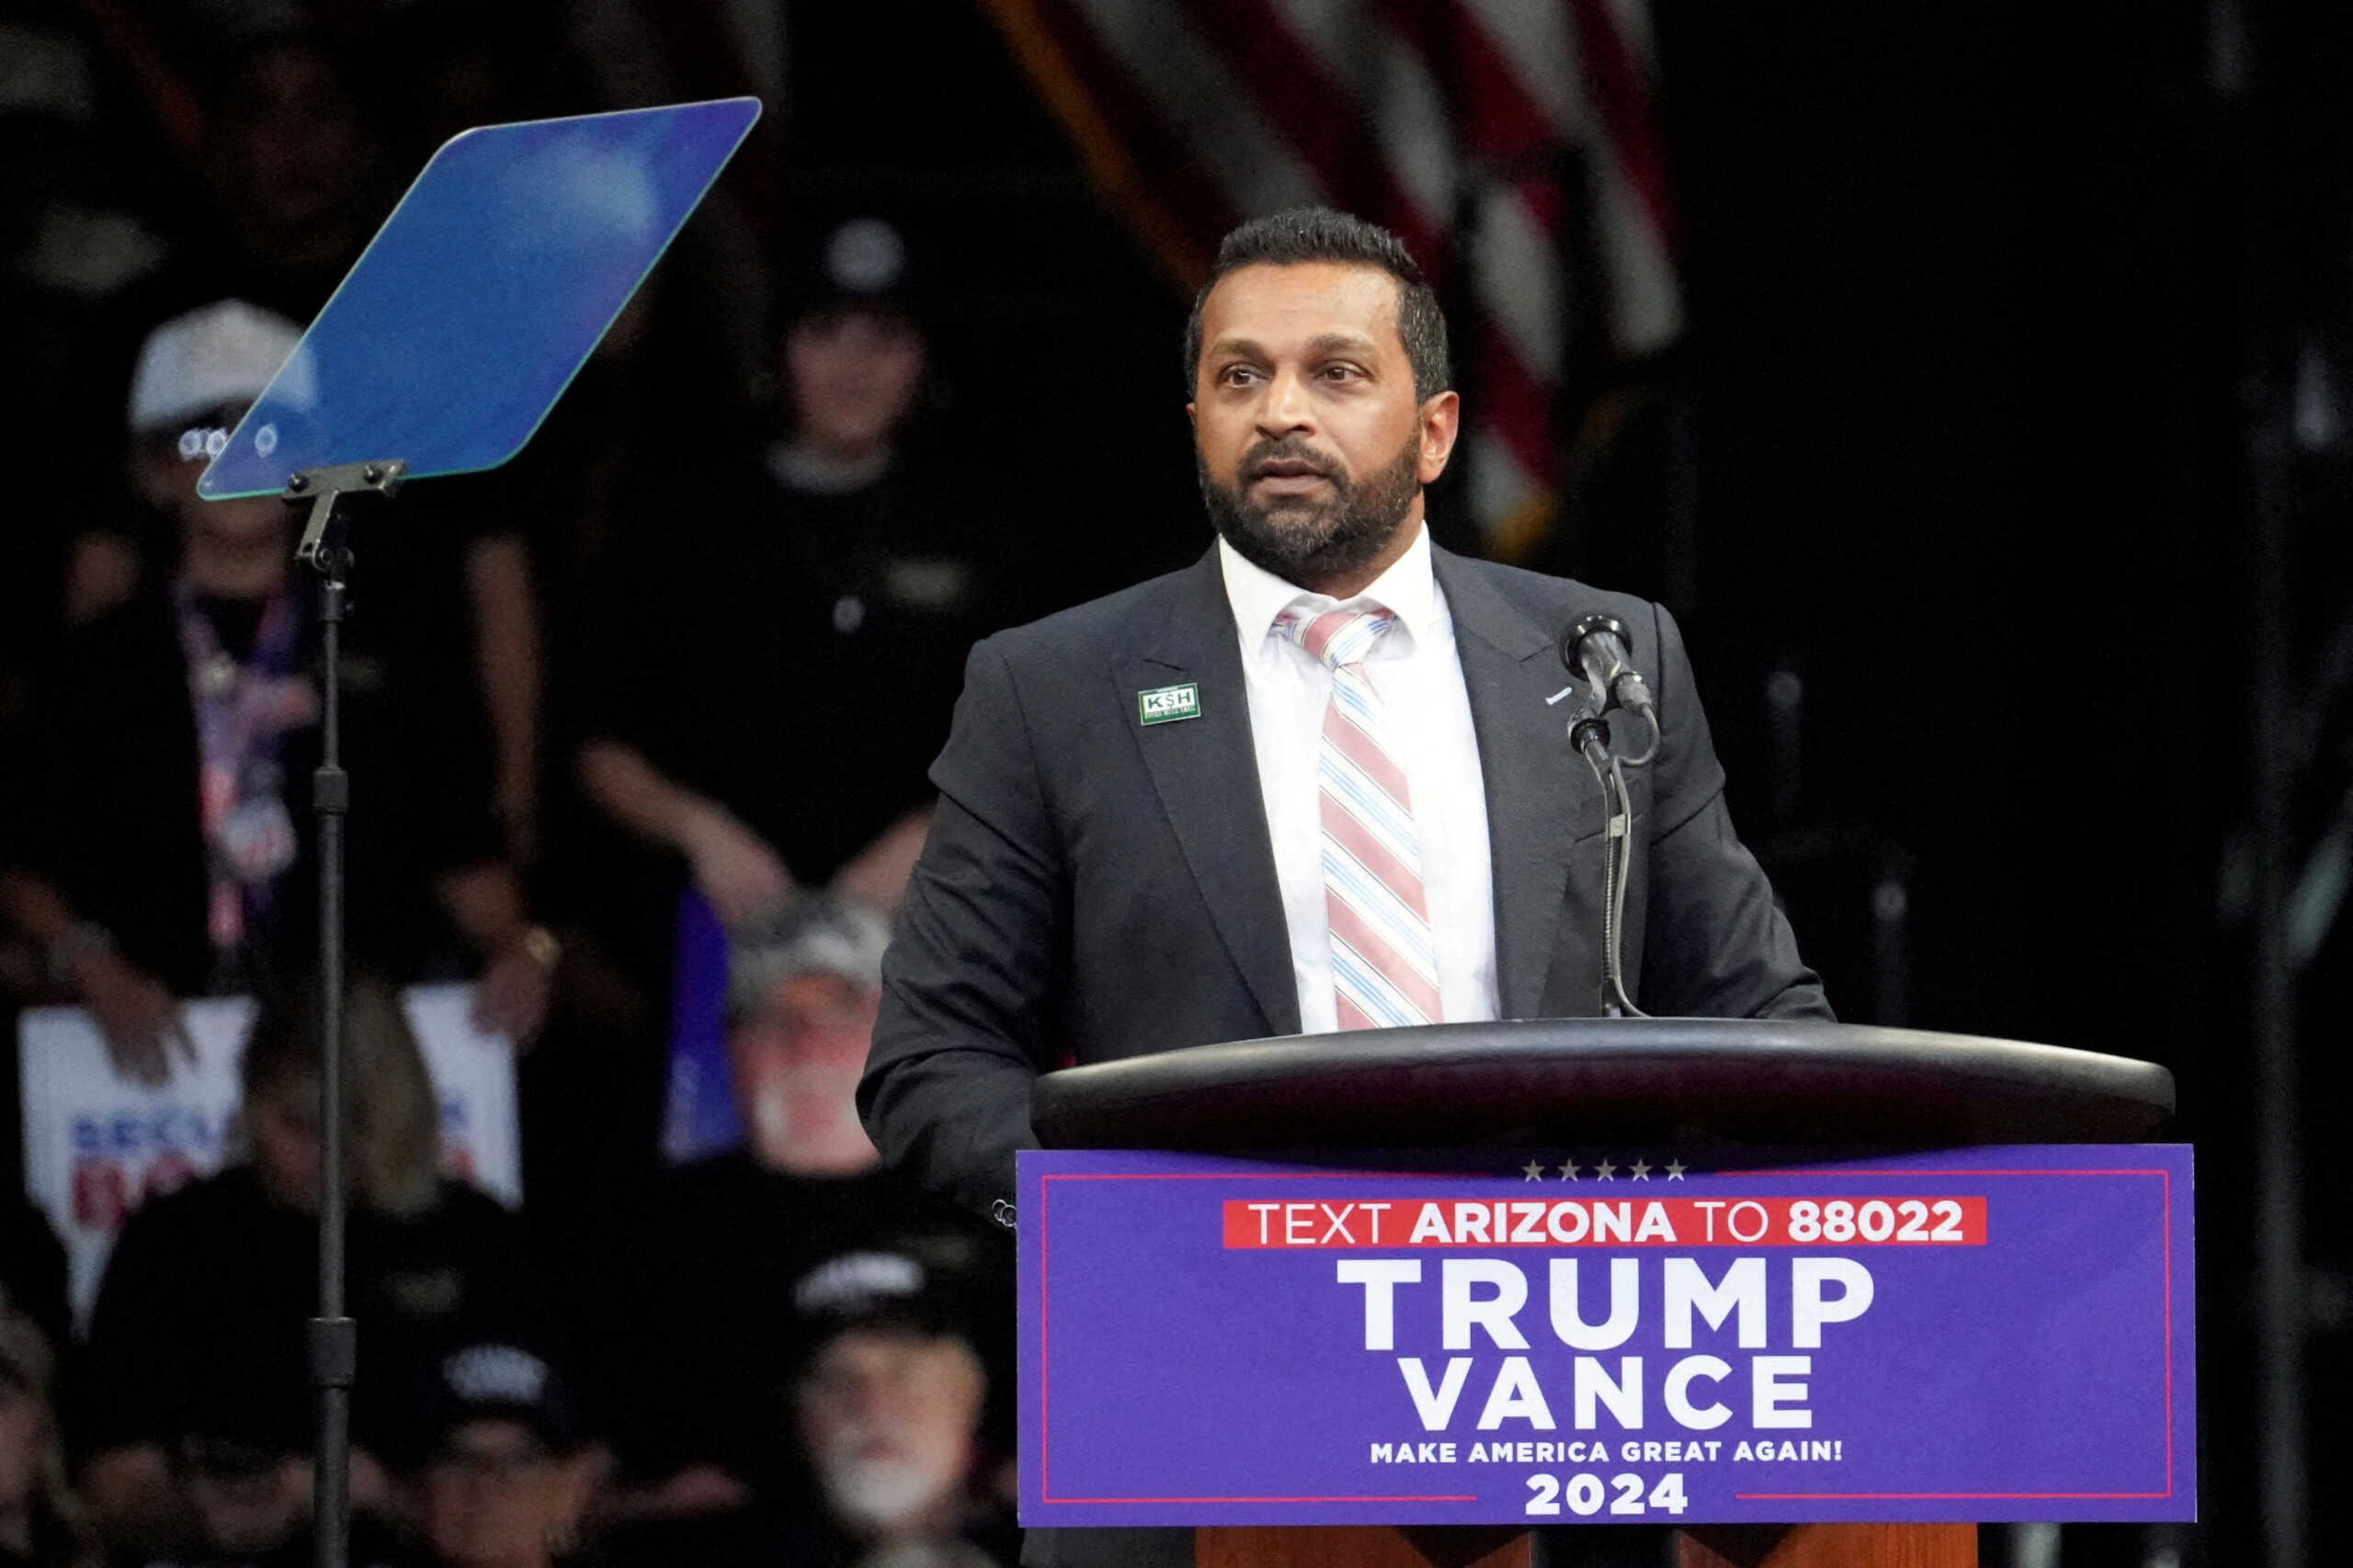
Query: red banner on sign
[[1293, 1223]]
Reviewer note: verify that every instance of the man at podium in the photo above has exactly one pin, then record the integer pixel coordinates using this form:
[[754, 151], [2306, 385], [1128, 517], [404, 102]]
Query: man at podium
[[1312, 782]]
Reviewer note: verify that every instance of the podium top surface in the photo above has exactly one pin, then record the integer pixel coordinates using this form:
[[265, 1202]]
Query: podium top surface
[[1657, 1081], [482, 295]]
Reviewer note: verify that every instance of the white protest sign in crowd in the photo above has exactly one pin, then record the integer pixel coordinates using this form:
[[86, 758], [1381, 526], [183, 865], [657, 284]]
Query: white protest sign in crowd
[[97, 1144]]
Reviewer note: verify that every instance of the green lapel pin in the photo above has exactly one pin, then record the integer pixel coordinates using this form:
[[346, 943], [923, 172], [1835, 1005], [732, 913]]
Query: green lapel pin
[[1168, 704]]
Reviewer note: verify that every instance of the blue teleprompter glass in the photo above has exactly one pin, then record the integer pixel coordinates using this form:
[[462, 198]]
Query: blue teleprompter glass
[[482, 294]]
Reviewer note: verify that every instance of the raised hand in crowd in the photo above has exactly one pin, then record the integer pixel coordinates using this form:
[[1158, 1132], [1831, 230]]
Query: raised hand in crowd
[[878, 877], [733, 867], [136, 1012], [511, 996], [519, 958]]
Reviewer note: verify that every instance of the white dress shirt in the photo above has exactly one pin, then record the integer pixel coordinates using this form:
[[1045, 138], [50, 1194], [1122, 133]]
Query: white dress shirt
[[1418, 674]]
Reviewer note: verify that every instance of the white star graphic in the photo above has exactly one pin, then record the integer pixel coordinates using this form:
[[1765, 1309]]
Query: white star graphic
[[1642, 1170], [1603, 1170], [1675, 1169], [1531, 1172], [1569, 1171]]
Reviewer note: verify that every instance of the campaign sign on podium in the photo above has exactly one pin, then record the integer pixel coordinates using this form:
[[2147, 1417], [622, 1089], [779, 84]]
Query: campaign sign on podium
[[1969, 1334]]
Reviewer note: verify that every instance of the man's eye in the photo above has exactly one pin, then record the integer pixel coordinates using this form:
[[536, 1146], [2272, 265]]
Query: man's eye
[[1237, 375], [1343, 373]]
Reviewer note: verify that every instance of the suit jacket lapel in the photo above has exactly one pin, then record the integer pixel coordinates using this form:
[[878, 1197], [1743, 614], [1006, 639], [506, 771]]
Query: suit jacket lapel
[[1539, 794], [1205, 772]]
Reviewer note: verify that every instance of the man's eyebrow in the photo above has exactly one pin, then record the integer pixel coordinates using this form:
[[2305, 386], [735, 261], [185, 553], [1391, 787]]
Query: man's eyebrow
[[1342, 343], [1323, 343]]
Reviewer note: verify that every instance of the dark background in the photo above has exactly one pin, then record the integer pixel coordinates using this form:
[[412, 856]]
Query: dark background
[[2006, 433], [1996, 312]]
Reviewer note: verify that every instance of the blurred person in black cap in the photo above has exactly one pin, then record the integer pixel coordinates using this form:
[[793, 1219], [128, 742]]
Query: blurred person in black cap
[[773, 634], [199, 1324], [231, 1482], [726, 1237], [507, 1472], [770, 681], [248, 1492], [894, 1409], [159, 841], [247, 1495], [42, 1524], [890, 1408]]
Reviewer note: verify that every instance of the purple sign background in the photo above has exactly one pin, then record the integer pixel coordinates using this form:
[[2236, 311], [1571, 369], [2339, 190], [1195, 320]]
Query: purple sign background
[[1189, 1359]]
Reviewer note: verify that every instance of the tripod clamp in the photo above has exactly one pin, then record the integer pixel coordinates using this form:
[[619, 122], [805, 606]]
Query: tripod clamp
[[323, 548]]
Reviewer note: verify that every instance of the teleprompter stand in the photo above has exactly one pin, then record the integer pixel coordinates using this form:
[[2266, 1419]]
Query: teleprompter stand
[[1653, 1083], [332, 495], [452, 336]]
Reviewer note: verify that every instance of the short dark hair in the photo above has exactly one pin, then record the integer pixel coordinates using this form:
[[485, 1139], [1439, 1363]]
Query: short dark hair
[[1299, 234]]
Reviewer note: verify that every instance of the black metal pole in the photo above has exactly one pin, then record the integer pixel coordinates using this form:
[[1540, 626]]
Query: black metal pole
[[333, 1334], [2280, 1284], [2248, 36]]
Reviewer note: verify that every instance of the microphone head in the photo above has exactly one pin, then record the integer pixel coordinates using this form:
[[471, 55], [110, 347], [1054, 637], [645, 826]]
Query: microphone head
[[1572, 643]]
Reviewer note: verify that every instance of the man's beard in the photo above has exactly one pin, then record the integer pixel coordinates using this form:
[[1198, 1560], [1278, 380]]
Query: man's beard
[[879, 1493], [1304, 541]]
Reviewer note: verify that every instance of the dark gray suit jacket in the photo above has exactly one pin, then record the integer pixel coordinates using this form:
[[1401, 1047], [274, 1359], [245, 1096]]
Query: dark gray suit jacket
[[1096, 888]]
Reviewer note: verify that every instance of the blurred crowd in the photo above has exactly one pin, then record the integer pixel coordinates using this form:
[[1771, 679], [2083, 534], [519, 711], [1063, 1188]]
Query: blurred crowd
[[687, 658]]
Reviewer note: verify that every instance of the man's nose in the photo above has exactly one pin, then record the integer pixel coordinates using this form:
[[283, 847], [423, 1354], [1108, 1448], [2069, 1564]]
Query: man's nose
[[867, 1398], [1287, 407]]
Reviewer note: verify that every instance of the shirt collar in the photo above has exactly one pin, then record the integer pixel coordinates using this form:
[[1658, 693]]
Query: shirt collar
[[1407, 590]]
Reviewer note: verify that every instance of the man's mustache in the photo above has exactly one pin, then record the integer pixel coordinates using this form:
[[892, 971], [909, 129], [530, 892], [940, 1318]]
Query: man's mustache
[[1258, 459]]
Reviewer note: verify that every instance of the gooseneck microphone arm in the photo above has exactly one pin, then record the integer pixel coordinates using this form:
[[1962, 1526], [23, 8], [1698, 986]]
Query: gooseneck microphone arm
[[1596, 650]]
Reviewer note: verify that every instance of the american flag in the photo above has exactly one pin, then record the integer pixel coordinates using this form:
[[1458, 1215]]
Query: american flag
[[1513, 144]]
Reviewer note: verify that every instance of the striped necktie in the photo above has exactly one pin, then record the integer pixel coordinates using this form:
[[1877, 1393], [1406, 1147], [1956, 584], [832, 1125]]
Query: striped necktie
[[1384, 965]]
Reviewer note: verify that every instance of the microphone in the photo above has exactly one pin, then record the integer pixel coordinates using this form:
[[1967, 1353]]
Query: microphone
[[1596, 649], [1597, 652]]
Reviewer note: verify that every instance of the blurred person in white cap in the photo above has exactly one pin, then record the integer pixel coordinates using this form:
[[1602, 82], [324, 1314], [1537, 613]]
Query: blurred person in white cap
[[195, 374], [159, 843], [725, 1237]]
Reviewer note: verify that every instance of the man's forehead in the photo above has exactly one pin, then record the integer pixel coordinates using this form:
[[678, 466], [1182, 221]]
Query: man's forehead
[[491, 1431], [1297, 302], [894, 1345]]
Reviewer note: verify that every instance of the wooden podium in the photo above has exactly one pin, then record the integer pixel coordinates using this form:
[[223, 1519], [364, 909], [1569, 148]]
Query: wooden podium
[[1650, 1083]]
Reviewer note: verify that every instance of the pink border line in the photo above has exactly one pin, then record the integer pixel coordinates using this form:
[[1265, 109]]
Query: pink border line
[[1464, 1498], [1045, 1194], [2165, 1281], [1924, 1496]]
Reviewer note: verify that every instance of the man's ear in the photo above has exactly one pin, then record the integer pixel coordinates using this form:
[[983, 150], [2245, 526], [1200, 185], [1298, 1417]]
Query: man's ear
[[1193, 415], [1441, 421]]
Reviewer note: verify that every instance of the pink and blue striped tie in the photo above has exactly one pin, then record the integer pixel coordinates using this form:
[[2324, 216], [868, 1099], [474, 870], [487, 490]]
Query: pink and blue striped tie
[[1384, 965]]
